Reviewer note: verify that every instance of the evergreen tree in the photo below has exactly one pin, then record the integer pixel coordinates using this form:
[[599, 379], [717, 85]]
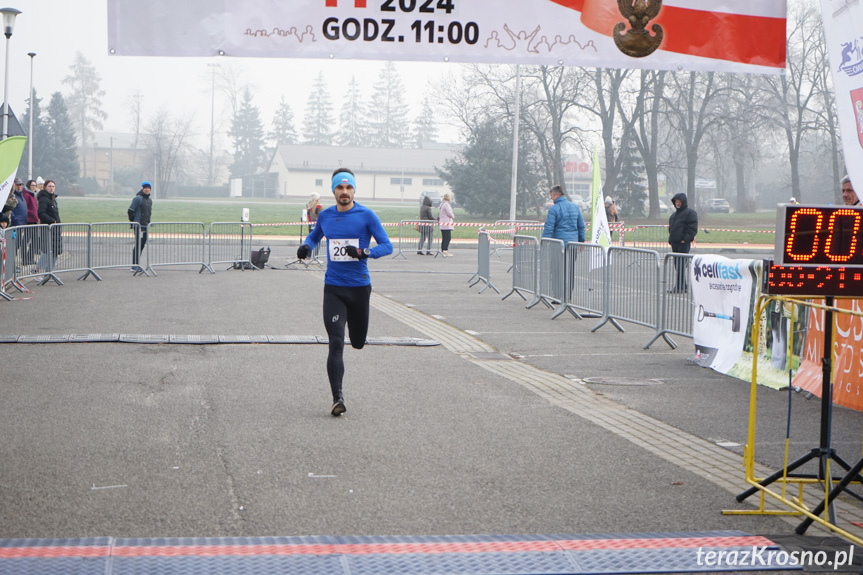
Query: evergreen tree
[[481, 178], [317, 126], [425, 127], [631, 188], [247, 130], [85, 100], [283, 125], [61, 162], [388, 111], [352, 127], [39, 138]]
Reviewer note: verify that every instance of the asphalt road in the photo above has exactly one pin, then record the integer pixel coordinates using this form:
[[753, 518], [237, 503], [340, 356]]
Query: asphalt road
[[134, 440]]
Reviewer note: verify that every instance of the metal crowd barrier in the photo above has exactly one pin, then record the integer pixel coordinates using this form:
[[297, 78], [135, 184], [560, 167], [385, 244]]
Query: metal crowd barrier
[[5, 276], [314, 257], [678, 307], [230, 243], [551, 273], [483, 266], [420, 236], [176, 244], [72, 252], [502, 233], [112, 246], [525, 263], [35, 252], [584, 286], [632, 287], [651, 238]]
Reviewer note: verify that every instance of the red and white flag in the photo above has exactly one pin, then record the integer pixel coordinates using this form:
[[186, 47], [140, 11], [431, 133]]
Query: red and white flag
[[738, 31]]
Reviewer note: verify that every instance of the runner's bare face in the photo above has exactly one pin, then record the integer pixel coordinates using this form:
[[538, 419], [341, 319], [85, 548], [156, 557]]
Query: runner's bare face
[[345, 194]]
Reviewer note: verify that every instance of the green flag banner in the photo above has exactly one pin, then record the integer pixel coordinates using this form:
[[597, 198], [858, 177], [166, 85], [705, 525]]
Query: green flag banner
[[10, 156]]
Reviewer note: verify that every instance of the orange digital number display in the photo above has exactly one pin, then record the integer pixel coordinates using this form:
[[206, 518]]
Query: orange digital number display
[[819, 236], [812, 281]]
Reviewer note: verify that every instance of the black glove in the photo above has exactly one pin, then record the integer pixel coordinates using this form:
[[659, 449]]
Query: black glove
[[355, 253], [131, 214], [303, 252]]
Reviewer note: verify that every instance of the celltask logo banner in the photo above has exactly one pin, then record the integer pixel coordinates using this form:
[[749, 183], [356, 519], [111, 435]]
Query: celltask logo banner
[[723, 291], [731, 36]]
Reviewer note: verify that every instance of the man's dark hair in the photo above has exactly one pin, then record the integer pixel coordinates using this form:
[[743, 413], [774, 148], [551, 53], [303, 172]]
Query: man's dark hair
[[558, 190], [343, 171]]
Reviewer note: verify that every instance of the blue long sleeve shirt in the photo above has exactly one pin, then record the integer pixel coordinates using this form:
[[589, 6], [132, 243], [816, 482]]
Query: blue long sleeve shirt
[[358, 224], [564, 222]]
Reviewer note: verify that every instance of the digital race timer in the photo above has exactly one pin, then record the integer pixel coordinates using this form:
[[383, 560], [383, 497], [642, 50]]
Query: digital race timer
[[819, 252], [819, 235]]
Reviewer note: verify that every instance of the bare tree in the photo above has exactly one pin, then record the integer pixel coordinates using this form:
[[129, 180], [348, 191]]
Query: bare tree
[[165, 136], [794, 92], [135, 105], [692, 112]]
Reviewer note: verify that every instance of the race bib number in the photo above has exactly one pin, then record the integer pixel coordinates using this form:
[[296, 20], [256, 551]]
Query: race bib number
[[337, 249]]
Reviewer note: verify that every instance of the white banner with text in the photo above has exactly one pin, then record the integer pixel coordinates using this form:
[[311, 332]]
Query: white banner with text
[[730, 35]]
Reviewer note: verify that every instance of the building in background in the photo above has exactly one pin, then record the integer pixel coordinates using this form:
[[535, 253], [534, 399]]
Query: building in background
[[392, 174]]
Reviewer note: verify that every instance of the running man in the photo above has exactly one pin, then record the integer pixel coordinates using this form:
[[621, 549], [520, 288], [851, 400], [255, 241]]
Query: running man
[[348, 227]]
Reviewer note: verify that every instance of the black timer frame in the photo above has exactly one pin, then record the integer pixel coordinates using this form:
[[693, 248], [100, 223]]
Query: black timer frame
[[824, 452]]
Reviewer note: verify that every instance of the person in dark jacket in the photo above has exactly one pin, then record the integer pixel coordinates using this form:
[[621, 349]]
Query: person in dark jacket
[[19, 213], [426, 231], [682, 229], [49, 213], [140, 211]]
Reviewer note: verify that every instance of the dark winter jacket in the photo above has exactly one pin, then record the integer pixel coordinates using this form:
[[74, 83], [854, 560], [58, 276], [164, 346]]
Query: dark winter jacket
[[426, 209], [48, 211], [683, 223], [141, 209], [19, 213]]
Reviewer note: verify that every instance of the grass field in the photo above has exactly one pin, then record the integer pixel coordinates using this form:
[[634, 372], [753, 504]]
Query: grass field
[[102, 209]]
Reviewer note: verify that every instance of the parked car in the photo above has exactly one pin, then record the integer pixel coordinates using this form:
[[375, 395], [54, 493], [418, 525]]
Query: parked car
[[663, 207], [435, 197], [718, 205]]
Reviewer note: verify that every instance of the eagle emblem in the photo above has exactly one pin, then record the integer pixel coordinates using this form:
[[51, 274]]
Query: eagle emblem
[[638, 42]]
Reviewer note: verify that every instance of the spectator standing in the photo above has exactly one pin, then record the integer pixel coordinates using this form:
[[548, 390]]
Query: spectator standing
[[140, 211], [313, 208], [18, 216], [445, 218], [32, 219], [849, 196], [349, 228], [49, 213], [40, 184], [610, 210], [564, 220], [426, 231], [682, 229]]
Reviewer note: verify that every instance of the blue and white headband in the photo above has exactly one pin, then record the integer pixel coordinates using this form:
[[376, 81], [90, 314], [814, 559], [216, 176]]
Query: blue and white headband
[[344, 178]]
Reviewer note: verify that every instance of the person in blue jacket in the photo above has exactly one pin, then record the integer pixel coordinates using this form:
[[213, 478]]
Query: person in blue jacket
[[564, 220], [349, 228]]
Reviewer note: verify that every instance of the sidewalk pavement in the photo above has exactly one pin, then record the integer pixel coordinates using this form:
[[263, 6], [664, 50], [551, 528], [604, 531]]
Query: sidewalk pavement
[[495, 431]]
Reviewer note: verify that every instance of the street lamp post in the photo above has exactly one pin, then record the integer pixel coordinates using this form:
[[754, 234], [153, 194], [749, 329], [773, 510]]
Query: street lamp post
[[212, 121], [30, 132], [8, 24]]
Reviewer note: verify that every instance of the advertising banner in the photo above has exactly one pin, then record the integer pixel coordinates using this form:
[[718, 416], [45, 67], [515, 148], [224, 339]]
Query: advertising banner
[[723, 292], [599, 232], [726, 35], [843, 22], [847, 355]]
